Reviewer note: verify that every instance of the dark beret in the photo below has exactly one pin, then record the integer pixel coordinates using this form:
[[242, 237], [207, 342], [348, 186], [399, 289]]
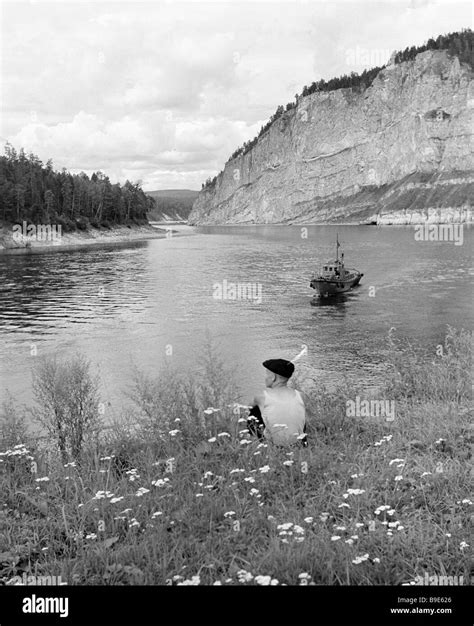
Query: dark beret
[[280, 366]]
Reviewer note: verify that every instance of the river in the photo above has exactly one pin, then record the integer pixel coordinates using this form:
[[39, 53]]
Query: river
[[149, 302]]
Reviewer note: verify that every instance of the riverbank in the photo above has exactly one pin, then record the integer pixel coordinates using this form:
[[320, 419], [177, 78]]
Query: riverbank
[[178, 493], [78, 239]]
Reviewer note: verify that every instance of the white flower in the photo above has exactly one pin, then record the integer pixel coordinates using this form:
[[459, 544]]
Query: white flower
[[223, 434], [199, 495], [350, 541], [308, 520], [376, 560], [142, 491], [304, 575], [396, 461], [264, 469], [236, 471], [44, 479], [344, 504], [399, 477], [354, 537], [360, 559], [91, 536], [160, 482], [339, 527], [253, 492], [229, 513], [263, 580], [335, 537], [324, 516], [173, 432], [426, 474], [285, 526], [448, 535], [212, 439], [244, 576], [244, 442], [156, 514], [194, 581], [249, 479], [116, 499], [463, 545], [289, 462], [356, 492], [466, 501]]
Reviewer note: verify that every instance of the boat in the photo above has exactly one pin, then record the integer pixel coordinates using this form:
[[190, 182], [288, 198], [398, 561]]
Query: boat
[[334, 277]]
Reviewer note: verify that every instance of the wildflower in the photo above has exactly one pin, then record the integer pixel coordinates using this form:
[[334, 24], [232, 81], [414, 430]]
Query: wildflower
[[133, 523], [308, 520], [156, 514], [142, 491], [390, 511], [285, 526], [359, 524], [426, 474], [160, 482], [304, 575], [380, 509], [393, 524], [223, 434], [264, 469], [354, 537], [71, 464], [466, 501], [299, 530], [102, 471], [254, 492], [244, 576], [332, 482], [236, 471], [244, 442], [463, 545], [249, 479], [241, 419], [335, 537], [229, 513], [91, 536], [173, 432], [289, 462], [339, 527], [199, 495], [400, 527], [44, 479], [360, 559], [376, 560], [125, 511], [350, 541], [344, 504], [194, 581], [263, 580], [177, 420], [356, 492], [448, 535], [212, 439], [396, 461], [116, 499], [242, 432], [208, 474], [105, 458], [324, 516], [398, 478]]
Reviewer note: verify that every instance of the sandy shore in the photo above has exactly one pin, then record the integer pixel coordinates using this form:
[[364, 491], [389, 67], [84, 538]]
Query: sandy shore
[[78, 239]]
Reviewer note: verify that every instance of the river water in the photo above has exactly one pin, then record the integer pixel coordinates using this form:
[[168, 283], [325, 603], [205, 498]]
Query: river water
[[153, 301]]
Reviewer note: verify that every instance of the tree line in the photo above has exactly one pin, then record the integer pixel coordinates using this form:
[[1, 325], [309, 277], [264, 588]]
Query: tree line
[[460, 44], [36, 193]]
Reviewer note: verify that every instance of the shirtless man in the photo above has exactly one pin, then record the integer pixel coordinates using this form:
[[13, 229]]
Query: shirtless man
[[280, 408]]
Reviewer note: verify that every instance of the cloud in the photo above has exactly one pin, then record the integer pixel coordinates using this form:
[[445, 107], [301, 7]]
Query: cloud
[[166, 91]]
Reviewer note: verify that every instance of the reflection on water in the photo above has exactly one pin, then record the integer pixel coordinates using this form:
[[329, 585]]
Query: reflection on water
[[124, 305]]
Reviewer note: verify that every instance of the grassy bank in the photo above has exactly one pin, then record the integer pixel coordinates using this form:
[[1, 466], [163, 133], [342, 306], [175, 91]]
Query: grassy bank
[[177, 493]]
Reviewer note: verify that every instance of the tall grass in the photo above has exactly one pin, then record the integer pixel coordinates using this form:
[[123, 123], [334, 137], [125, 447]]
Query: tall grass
[[171, 494]]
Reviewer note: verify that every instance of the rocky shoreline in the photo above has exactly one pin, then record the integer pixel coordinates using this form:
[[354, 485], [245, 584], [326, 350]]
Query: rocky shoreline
[[77, 239]]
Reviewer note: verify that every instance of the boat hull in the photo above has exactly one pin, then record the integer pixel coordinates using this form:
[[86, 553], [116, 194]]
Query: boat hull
[[331, 287]]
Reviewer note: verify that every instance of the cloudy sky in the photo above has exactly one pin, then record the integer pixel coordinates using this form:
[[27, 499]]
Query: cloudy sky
[[164, 91]]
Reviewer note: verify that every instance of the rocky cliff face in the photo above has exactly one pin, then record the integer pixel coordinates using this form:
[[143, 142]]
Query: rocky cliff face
[[402, 151]]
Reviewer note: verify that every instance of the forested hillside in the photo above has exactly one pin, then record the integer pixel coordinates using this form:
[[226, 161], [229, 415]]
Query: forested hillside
[[172, 204], [35, 192]]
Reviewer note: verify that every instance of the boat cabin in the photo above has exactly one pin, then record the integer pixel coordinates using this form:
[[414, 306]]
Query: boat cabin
[[334, 268]]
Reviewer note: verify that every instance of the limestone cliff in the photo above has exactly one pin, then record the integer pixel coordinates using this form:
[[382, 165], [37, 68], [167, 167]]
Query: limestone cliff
[[401, 151]]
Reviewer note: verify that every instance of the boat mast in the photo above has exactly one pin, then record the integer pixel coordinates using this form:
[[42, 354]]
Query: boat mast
[[337, 247]]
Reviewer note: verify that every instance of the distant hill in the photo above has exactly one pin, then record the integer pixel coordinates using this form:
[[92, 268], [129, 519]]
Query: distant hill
[[171, 204]]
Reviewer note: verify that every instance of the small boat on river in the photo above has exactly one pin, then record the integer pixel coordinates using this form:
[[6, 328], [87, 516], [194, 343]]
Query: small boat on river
[[334, 277]]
